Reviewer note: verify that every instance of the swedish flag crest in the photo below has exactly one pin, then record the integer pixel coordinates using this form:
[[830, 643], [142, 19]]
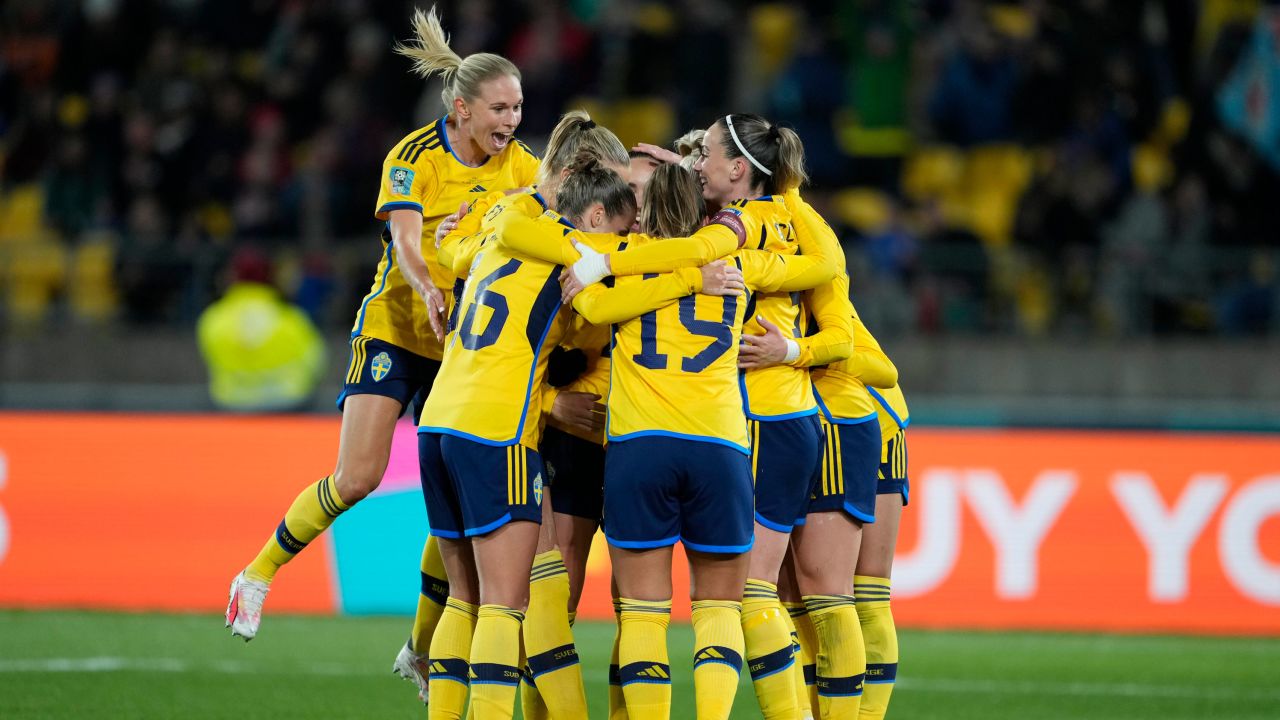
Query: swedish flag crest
[[537, 488], [380, 366]]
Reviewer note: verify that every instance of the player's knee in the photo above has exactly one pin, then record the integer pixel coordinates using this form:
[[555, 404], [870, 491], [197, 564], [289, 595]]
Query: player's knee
[[355, 484]]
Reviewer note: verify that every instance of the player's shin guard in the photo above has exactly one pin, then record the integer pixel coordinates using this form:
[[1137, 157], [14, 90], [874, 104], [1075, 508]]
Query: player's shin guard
[[881, 638], [644, 671], [495, 662], [842, 661], [548, 640], [431, 600], [768, 644], [803, 668], [311, 513], [450, 661], [617, 701], [717, 656]]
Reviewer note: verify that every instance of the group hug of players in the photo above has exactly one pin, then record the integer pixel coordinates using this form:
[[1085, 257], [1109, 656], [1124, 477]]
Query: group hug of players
[[750, 414]]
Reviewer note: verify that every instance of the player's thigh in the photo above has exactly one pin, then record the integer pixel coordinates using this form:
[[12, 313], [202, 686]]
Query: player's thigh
[[364, 446], [717, 576], [574, 536], [504, 559], [767, 553], [642, 574], [825, 549], [880, 538], [460, 565]]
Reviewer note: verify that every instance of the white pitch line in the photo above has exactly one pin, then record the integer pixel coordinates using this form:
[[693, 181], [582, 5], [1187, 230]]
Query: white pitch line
[[907, 684]]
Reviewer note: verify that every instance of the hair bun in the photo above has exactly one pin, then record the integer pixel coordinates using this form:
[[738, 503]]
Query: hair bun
[[587, 124], [774, 133]]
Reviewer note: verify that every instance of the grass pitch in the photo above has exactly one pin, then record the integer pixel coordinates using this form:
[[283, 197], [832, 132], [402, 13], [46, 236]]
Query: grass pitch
[[57, 665]]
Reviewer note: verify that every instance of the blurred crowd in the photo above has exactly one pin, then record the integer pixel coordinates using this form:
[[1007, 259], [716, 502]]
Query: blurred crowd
[[1037, 168]]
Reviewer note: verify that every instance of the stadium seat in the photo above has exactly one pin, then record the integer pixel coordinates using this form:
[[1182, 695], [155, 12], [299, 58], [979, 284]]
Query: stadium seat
[[866, 209], [93, 294], [34, 272], [932, 172], [21, 212], [775, 27]]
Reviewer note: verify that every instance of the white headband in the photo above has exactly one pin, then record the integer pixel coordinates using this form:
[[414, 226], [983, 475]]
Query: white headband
[[728, 120]]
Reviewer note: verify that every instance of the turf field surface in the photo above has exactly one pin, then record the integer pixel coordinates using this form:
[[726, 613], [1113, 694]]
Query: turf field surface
[[103, 665]]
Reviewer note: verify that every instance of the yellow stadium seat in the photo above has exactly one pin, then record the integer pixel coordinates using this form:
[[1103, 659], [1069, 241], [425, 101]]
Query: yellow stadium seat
[[775, 27], [866, 209], [932, 172], [35, 272], [93, 294], [1152, 168], [650, 120], [22, 213]]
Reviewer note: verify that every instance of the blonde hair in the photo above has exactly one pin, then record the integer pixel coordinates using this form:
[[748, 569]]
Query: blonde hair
[[577, 132], [778, 149], [673, 204], [431, 54], [689, 145], [590, 182]]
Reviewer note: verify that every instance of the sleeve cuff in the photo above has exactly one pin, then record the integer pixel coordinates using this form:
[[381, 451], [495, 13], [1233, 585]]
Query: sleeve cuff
[[397, 205]]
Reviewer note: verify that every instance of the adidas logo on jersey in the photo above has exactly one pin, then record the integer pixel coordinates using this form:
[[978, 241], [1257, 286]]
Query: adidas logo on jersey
[[477, 188]]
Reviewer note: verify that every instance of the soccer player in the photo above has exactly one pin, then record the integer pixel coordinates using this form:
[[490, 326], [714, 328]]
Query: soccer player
[[875, 561], [398, 331], [554, 679]]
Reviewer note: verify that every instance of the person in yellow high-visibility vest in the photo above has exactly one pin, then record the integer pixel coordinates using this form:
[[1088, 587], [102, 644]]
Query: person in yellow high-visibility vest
[[262, 352]]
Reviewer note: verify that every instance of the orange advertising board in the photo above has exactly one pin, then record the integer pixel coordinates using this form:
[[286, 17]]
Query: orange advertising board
[[1088, 530]]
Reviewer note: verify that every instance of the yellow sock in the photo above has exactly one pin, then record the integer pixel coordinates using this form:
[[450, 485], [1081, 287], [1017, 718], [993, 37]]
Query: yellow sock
[[553, 659], [842, 661], [573, 617], [435, 589], [644, 672], [768, 644], [311, 513], [450, 660], [802, 667], [717, 656], [881, 638], [617, 701], [808, 655], [531, 705], [495, 662]]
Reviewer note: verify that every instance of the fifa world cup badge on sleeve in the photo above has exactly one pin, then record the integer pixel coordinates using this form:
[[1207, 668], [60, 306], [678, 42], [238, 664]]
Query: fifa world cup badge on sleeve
[[381, 365], [401, 180]]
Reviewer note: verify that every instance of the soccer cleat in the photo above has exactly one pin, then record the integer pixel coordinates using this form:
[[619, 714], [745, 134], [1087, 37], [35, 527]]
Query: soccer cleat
[[244, 609], [414, 668]]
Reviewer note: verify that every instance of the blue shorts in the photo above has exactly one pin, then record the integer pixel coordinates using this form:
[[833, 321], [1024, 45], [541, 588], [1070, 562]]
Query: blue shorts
[[472, 488], [659, 490], [846, 480], [380, 368], [893, 467], [784, 456], [576, 468]]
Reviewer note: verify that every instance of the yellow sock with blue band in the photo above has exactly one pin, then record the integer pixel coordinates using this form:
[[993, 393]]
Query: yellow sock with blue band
[[718, 648], [431, 598], [768, 645], [802, 646], [617, 701], [450, 656], [495, 662], [548, 639], [881, 638], [841, 660], [644, 671], [311, 513]]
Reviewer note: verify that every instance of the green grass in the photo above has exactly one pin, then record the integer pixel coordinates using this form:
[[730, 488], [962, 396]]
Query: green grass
[[81, 664]]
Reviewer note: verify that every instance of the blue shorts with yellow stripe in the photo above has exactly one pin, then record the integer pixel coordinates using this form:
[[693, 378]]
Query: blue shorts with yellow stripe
[[659, 490], [472, 488], [784, 457], [576, 468], [379, 368], [893, 467], [846, 479]]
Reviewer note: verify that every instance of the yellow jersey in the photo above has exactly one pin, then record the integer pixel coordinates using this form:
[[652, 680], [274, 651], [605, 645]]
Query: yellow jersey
[[596, 342], [843, 389], [493, 375], [423, 173], [894, 415], [675, 369]]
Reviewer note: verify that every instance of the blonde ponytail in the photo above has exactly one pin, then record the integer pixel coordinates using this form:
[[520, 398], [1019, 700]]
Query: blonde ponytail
[[431, 54], [574, 133], [775, 154]]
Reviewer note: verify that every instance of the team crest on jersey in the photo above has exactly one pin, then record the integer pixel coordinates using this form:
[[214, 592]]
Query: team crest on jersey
[[537, 489], [401, 180], [380, 366]]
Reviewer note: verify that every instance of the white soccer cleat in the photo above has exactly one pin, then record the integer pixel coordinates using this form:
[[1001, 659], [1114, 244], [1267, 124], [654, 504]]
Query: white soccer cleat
[[414, 668], [244, 609]]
